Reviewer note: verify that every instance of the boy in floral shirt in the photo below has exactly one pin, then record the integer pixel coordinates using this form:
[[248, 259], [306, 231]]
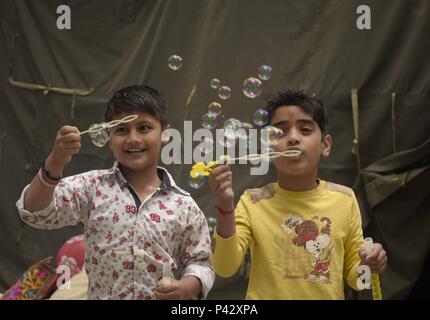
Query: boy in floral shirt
[[137, 221]]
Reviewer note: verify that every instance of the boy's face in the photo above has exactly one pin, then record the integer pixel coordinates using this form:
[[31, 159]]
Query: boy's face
[[136, 144], [303, 133]]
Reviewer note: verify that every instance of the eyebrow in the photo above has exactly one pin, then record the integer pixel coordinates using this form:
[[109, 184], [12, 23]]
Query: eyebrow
[[302, 121]]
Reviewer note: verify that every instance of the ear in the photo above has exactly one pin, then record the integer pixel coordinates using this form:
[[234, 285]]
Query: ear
[[326, 145], [165, 137]]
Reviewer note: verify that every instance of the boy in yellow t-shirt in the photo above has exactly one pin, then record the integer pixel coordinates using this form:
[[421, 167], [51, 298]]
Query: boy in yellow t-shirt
[[305, 234]]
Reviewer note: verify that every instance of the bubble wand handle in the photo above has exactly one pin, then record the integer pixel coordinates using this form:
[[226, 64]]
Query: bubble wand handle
[[374, 277]]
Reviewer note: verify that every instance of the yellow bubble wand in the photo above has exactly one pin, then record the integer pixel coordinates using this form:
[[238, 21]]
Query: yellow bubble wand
[[202, 169]]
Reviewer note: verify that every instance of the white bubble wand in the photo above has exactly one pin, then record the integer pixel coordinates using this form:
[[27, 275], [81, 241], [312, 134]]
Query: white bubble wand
[[97, 131]]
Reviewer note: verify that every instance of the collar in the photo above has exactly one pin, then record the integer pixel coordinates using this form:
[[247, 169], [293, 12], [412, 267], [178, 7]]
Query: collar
[[167, 182]]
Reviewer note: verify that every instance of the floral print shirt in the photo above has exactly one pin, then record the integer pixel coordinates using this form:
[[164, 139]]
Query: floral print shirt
[[128, 242]]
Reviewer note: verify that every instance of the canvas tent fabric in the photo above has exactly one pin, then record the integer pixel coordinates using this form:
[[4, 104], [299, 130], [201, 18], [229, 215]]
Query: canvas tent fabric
[[313, 45]]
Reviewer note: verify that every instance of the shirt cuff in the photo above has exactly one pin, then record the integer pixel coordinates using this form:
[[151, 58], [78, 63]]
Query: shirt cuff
[[206, 276]]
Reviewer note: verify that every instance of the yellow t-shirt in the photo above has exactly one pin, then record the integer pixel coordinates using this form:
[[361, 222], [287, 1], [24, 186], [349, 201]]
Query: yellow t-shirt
[[303, 244]]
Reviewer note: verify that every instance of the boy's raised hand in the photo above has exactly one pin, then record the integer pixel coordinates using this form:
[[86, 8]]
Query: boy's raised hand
[[221, 180], [67, 143], [377, 260]]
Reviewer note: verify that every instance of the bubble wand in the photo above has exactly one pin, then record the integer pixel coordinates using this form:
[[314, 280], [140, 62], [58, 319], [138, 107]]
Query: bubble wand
[[98, 132], [201, 169], [374, 278], [97, 127]]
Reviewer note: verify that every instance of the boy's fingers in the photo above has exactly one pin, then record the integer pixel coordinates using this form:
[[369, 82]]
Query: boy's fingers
[[223, 176], [68, 129], [224, 185], [363, 254], [219, 169], [71, 137], [377, 251]]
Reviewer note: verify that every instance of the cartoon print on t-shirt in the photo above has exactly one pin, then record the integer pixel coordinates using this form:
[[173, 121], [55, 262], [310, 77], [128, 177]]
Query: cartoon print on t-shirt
[[316, 242]]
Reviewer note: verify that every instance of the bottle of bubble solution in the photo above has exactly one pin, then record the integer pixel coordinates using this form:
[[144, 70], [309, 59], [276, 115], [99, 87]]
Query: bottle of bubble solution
[[374, 278], [167, 275]]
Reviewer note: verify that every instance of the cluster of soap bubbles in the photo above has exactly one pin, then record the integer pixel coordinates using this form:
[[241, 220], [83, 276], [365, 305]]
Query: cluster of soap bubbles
[[252, 87], [224, 92], [234, 129]]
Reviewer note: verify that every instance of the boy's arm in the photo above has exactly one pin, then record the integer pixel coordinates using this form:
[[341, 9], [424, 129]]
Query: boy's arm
[[221, 182], [233, 233], [39, 195], [353, 245], [356, 255], [197, 275]]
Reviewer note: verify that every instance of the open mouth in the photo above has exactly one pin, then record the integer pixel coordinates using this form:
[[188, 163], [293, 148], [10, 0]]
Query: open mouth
[[135, 151]]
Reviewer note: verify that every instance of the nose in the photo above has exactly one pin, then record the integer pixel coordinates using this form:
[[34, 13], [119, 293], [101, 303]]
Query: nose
[[293, 137], [132, 136]]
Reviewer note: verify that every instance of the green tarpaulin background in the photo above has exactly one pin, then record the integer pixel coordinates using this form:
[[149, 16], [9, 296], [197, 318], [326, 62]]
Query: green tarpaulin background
[[313, 44]]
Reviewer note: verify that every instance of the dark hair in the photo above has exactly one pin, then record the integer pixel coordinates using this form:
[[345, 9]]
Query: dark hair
[[309, 104], [137, 98]]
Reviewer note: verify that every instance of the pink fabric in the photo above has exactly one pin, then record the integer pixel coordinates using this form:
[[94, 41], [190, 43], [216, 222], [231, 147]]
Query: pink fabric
[[72, 254]]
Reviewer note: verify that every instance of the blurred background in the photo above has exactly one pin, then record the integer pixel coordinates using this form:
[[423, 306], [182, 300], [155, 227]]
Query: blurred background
[[314, 45]]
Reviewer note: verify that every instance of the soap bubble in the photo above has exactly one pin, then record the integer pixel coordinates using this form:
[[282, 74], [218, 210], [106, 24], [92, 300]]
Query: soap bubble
[[215, 83], [252, 87], [197, 182], [208, 121], [265, 72], [215, 108], [100, 136], [224, 92], [212, 221], [261, 117], [231, 127], [273, 135], [175, 62]]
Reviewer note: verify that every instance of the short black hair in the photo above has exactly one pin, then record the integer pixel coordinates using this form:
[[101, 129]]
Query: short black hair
[[137, 98], [309, 104]]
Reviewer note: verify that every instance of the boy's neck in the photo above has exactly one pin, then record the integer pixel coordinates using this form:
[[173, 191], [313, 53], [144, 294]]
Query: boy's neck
[[142, 180], [297, 183]]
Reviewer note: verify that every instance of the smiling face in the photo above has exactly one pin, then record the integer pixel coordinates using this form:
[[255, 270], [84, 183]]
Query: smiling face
[[137, 144], [300, 132]]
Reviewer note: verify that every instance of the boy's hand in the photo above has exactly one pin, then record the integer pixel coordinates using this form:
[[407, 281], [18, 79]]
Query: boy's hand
[[221, 181], [170, 289], [377, 260], [67, 143]]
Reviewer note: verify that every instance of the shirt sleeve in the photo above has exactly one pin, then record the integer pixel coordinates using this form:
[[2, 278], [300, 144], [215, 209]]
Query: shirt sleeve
[[354, 243], [229, 252], [196, 250], [70, 201]]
